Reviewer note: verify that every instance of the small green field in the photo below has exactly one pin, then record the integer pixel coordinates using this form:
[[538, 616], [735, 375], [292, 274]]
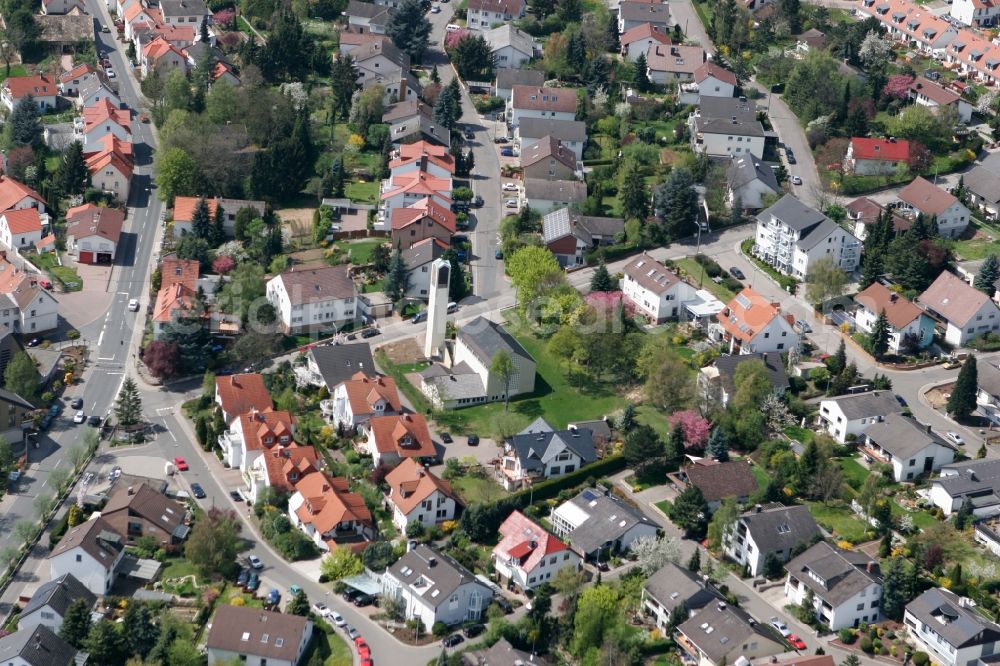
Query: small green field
[[801, 435], [66, 276], [664, 506], [854, 472], [477, 489], [839, 519], [362, 192], [361, 251], [986, 240], [15, 70], [697, 276]]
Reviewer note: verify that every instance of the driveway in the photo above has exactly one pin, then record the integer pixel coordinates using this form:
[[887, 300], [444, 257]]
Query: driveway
[[483, 453]]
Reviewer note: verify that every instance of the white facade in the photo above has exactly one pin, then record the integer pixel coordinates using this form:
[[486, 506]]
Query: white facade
[[435, 508], [862, 607], [343, 412], [97, 244], [544, 572], [928, 638], [97, 576], [523, 380], [922, 327], [333, 312], [109, 178], [975, 12], [468, 602], [840, 427], [20, 240], [659, 305], [783, 247], [40, 314], [986, 319], [516, 115]]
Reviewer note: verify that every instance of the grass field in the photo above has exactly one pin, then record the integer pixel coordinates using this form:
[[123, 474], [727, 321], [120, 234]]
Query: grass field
[[854, 473], [838, 519], [65, 275], [476, 489], [697, 274], [802, 435], [362, 192], [361, 251], [985, 242], [15, 70]]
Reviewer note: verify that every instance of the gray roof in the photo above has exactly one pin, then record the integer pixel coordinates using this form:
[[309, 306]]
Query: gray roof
[[564, 222], [563, 130], [979, 480], [673, 584], [569, 191], [486, 338], [609, 518], [719, 629], [338, 363], [258, 633], [744, 169], [727, 365], [501, 654], [780, 528], [957, 625], [58, 594], [818, 234], [867, 405], [384, 48], [538, 444], [14, 399], [97, 538], [599, 427], [460, 381], [988, 376], [984, 180], [647, 12], [728, 115], [507, 78], [440, 573], [406, 109], [92, 84], [902, 436], [39, 646], [422, 253], [843, 573], [793, 213], [508, 35], [183, 8], [366, 10]]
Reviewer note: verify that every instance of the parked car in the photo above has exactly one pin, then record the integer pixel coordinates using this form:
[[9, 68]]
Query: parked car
[[350, 594], [498, 254], [274, 597], [500, 139], [94, 420], [253, 582], [116, 472], [337, 619], [294, 589], [470, 135], [504, 605], [510, 203], [446, 438], [473, 440], [180, 464], [932, 75], [507, 151], [369, 333], [790, 156], [453, 27], [796, 180], [321, 609], [77, 403], [796, 642], [452, 641], [478, 202], [780, 626], [352, 633], [510, 187], [197, 490], [365, 653], [473, 630], [901, 401], [419, 317], [435, 8], [34, 342], [255, 562], [737, 273], [955, 437], [79, 417], [243, 577], [803, 326], [364, 600], [235, 495], [133, 305]]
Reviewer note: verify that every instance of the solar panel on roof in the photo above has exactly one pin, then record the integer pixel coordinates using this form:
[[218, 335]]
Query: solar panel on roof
[[743, 301], [589, 495]]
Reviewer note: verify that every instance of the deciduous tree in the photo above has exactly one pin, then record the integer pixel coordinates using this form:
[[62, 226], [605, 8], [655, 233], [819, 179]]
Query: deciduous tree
[[341, 563], [214, 542], [825, 280], [504, 368], [21, 377]]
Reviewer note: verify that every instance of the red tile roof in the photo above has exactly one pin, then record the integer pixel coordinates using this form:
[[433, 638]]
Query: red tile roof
[[184, 208], [745, 321], [406, 435], [711, 69], [263, 430], [410, 484], [76, 72], [425, 208], [644, 31], [363, 391], [926, 197], [173, 301], [113, 159], [899, 310], [186, 271], [545, 99], [37, 86], [526, 541], [241, 394], [23, 221], [288, 465], [329, 502], [103, 111], [12, 192], [90, 220], [884, 150], [420, 182]]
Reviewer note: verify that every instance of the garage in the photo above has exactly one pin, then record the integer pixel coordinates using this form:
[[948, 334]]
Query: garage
[[86, 257], [105, 257]]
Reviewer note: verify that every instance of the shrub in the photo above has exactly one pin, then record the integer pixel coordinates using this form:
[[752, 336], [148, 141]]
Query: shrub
[[869, 648], [846, 636], [920, 659], [439, 629]]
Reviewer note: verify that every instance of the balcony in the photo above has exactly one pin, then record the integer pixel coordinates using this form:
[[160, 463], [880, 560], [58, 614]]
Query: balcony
[[229, 440], [327, 408]]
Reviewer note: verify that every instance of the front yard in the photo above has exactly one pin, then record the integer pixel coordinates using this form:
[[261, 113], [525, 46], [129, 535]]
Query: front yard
[[983, 240], [67, 277]]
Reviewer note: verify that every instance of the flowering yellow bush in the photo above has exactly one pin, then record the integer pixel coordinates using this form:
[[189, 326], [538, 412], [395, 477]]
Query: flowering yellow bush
[[355, 143], [846, 545], [237, 600], [448, 526]]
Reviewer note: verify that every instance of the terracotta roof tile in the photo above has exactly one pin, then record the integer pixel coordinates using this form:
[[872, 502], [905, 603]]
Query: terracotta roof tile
[[329, 502], [364, 390], [748, 313], [644, 31], [545, 99], [406, 435], [410, 484], [23, 221], [926, 197], [899, 310], [264, 429], [12, 192], [425, 208], [523, 539], [287, 465], [37, 86], [880, 149]]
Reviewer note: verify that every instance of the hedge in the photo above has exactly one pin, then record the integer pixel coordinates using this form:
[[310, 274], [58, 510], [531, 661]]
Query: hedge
[[482, 520], [58, 530], [609, 253]]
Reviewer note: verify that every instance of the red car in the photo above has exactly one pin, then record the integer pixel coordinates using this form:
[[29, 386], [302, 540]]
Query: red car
[[181, 464], [796, 642], [360, 642], [364, 652], [366, 662]]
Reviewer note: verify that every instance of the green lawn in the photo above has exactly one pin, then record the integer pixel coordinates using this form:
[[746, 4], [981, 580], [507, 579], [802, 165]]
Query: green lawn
[[362, 192], [802, 435], [854, 473], [838, 519], [15, 70], [987, 241], [66, 276], [697, 275], [477, 489], [361, 251], [554, 398], [177, 568], [340, 651], [921, 519], [760, 475], [664, 506]]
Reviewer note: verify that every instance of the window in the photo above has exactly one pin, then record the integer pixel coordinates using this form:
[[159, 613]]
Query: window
[[861, 607], [79, 558]]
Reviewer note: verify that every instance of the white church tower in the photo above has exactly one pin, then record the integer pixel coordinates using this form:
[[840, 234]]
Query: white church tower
[[437, 308]]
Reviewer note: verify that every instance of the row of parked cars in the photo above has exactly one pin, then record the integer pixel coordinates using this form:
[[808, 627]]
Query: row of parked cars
[[335, 618]]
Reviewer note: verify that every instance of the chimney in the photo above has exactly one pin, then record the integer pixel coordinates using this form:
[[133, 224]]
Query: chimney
[[432, 562], [131, 490], [928, 428], [870, 567], [757, 508]]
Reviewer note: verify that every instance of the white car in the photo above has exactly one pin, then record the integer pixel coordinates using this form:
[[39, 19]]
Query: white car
[[955, 437], [780, 626], [510, 203], [453, 27], [796, 180], [510, 187], [255, 562], [435, 8], [320, 609], [338, 619], [133, 305], [79, 417], [111, 73]]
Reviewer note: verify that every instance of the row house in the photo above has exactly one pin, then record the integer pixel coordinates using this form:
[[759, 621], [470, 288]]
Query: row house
[[363, 396], [251, 433], [911, 23], [976, 13], [313, 299], [418, 496], [161, 56], [234, 394], [111, 167], [390, 440], [102, 119], [280, 469], [424, 220], [69, 82]]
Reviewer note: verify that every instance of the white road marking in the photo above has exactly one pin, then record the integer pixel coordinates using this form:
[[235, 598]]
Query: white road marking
[[105, 358], [100, 339]]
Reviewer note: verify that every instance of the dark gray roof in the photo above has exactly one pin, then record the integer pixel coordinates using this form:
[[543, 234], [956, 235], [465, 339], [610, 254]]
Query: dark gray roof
[[647, 12], [501, 654], [507, 78], [984, 180], [569, 191], [952, 621], [58, 594], [867, 405], [338, 363], [39, 646], [720, 629], [608, 519], [538, 443], [183, 8], [745, 169], [97, 538], [564, 130], [565, 222], [979, 480], [780, 528], [902, 436], [989, 377], [428, 566], [14, 399], [364, 9], [796, 215], [422, 253], [717, 114], [841, 573], [385, 49], [673, 584], [727, 365], [599, 427], [818, 234], [486, 338]]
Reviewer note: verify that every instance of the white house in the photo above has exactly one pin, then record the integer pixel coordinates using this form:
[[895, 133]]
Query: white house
[[527, 556], [965, 311], [26, 307], [792, 236], [848, 416], [750, 180], [655, 290], [91, 552], [416, 495], [39, 646], [710, 80], [752, 324], [252, 432], [484, 14], [983, 184], [775, 529], [240, 393], [670, 587], [988, 394], [532, 102], [976, 481], [418, 259], [571, 134], [949, 628], [511, 46], [669, 64], [927, 93], [391, 439], [636, 41], [544, 195], [723, 634], [846, 585], [433, 588], [597, 524], [257, 637], [976, 13], [325, 509], [50, 602], [725, 126], [539, 452], [20, 229], [924, 197], [634, 13], [314, 298], [184, 12], [93, 233], [41, 89], [912, 448], [909, 328], [871, 157], [363, 396]]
